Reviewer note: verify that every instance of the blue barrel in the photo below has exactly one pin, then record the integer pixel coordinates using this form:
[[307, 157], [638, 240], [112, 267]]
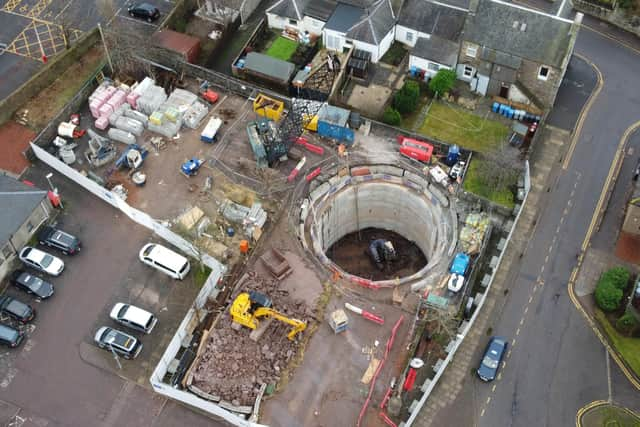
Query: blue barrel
[[501, 108], [495, 107], [510, 113], [452, 155], [231, 232]]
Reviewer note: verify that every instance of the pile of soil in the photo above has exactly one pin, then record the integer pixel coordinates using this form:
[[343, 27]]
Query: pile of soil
[[233, 366], [350, 253]]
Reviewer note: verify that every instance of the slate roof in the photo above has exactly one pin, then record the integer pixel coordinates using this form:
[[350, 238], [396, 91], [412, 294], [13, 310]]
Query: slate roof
[[500, 58], [17, 202], [320, 9], [431, 18], [293, 9], [344, 17], [437, 49], [376, 23], [545, 39]]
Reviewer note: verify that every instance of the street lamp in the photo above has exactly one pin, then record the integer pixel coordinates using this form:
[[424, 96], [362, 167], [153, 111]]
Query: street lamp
[[55, 190]]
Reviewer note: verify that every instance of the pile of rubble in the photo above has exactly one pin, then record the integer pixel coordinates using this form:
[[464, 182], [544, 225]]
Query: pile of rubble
[[232, 367]]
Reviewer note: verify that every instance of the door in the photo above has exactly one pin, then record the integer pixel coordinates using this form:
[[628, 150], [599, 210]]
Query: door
[[483, 84], [504, 91]]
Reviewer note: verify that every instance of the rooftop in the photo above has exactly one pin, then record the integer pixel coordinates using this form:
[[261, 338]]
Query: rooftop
[[436, 49], [17, 201], [432, 18]]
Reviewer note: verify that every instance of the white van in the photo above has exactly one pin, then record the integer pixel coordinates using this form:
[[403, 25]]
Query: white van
[[165, 260]]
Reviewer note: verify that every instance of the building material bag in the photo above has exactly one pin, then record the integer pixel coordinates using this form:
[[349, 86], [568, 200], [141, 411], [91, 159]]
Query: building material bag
[[121, 136], [101, 123], [130, 125], [194, 115], [167, 129], [136, 115]]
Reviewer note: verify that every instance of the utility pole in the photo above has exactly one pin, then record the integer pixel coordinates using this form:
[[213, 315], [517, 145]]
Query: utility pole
[[106, 49]]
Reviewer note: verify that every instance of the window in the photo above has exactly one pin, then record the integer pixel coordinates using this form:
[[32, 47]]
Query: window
[[409, 36], [543, 73], [468, 71], [29, 226], [472, 51], [293, 22], [432, 66]]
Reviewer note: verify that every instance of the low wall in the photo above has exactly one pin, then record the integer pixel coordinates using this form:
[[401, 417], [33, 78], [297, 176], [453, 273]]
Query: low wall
[[613, 15], [47, 75]]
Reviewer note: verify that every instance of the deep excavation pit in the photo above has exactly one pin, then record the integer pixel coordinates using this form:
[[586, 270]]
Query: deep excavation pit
[[387, 201], [350, 254]]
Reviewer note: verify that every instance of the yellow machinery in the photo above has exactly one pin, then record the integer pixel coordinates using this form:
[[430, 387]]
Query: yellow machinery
[[268, 107], [247, 308]]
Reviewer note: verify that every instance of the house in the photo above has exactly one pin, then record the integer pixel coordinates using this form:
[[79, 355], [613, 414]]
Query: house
[[515, 52], [300, 15], [433, 30], [23, 209], [369, 28]]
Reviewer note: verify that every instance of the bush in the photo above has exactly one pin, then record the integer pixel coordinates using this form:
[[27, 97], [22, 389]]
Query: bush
[[406, 99], [618, 277], [442, 82], [627, 324], [391, 116], [608, 297]]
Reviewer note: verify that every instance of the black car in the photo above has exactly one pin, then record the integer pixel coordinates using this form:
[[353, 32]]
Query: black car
[[10, 337], [31, 284], [55, 238], [144, 11], [16, 309]]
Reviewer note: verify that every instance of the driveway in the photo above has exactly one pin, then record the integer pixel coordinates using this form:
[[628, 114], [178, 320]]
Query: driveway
[[48, 380]]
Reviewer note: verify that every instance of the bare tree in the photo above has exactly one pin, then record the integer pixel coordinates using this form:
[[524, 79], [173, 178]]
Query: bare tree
[[499, 168]]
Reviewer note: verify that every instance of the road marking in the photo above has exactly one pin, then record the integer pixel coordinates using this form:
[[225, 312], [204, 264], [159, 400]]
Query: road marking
[[500, 373], [562, 220], [522, 320], [517, 331], [606, 357], [526, 309], [513, 342], [542, 269], [535, 288], [482, 413], [557, 231], [574, 274], [504, 364], [488, 399], [561, 7], [550, 248], [530, 299], [566, 211], [493, 389], [584, 112], [546, 259], [573, 192]]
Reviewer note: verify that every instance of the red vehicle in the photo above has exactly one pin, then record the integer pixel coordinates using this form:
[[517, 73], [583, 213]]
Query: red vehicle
[[417, 150]]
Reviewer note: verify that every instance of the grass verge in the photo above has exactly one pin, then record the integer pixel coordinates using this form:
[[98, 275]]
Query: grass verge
[[456, 126], [282, 48], [200, 275], [628, 348], [473, 183], [609, 416]]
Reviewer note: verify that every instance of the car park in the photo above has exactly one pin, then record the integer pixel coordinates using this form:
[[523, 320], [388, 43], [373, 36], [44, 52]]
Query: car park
[[58, 239], [165, 260], [134, 317], [113, 339], [16, 309], [31, 284], [42, 261], [491, 359], [144, 11], [10, 337]]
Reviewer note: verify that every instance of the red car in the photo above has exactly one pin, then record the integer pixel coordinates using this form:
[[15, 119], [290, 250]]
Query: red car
[[417, 150]]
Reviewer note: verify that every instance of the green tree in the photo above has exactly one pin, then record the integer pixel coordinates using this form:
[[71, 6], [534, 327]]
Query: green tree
[[391, 116], [406, 99], [608, 297], [627, 324], [442, 82], [618, 277]]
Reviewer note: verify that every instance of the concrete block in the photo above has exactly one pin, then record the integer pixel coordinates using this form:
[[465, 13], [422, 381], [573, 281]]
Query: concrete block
[[318, 192], [501, 244], [440, 196], [463, 326], [417, 179], [516, 209], [486, 279], [449, 347], [437, 367], [426, 385], [413, 406], [387, 169], [494, 262], [402, 424], [508, 226]]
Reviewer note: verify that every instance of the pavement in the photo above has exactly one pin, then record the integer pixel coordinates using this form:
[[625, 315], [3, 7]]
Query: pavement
[[58, 378], [556, 364]]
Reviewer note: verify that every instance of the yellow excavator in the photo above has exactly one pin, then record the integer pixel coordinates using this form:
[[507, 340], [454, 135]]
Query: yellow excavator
[[248, 307]]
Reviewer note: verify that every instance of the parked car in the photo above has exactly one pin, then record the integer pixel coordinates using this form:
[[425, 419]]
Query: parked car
[[55, 238], [456, 281], [17, 309], [460, 264], [134, 317], [165, 260], [144, 11], [41, 260], [31, 284], [493, 355], [456, 170], [415, 149], [10, 337], [113, 339]]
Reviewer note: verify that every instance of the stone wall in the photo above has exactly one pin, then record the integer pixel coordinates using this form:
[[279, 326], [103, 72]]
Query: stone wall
[[543, 90]]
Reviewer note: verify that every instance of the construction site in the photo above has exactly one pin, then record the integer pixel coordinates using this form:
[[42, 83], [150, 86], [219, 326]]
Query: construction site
[[337, 303]]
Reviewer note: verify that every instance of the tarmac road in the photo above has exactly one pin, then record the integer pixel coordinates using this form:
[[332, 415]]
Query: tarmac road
[[46, 382], [556, 364]]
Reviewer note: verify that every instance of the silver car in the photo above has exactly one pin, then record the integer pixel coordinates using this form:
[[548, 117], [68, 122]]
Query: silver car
[[113, 339], [42, 261], [134, 317]]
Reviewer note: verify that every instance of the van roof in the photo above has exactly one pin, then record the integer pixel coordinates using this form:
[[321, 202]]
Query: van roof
[[167, 257]]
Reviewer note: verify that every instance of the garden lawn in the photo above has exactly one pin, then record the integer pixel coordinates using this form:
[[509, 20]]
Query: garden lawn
[[456, 126], [474, 184], [628, 348], [282, 48]]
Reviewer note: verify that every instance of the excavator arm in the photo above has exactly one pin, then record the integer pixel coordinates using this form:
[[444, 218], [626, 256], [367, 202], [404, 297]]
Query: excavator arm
[[296, 325]]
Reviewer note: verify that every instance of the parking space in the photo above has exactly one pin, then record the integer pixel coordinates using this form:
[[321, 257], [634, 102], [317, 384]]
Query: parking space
[[58, 367]]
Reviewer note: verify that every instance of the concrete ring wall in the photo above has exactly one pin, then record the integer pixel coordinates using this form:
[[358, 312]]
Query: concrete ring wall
[[393, 203]]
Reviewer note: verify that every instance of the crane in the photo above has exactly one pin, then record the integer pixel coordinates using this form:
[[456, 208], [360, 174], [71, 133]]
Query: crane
[[249, 307]]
